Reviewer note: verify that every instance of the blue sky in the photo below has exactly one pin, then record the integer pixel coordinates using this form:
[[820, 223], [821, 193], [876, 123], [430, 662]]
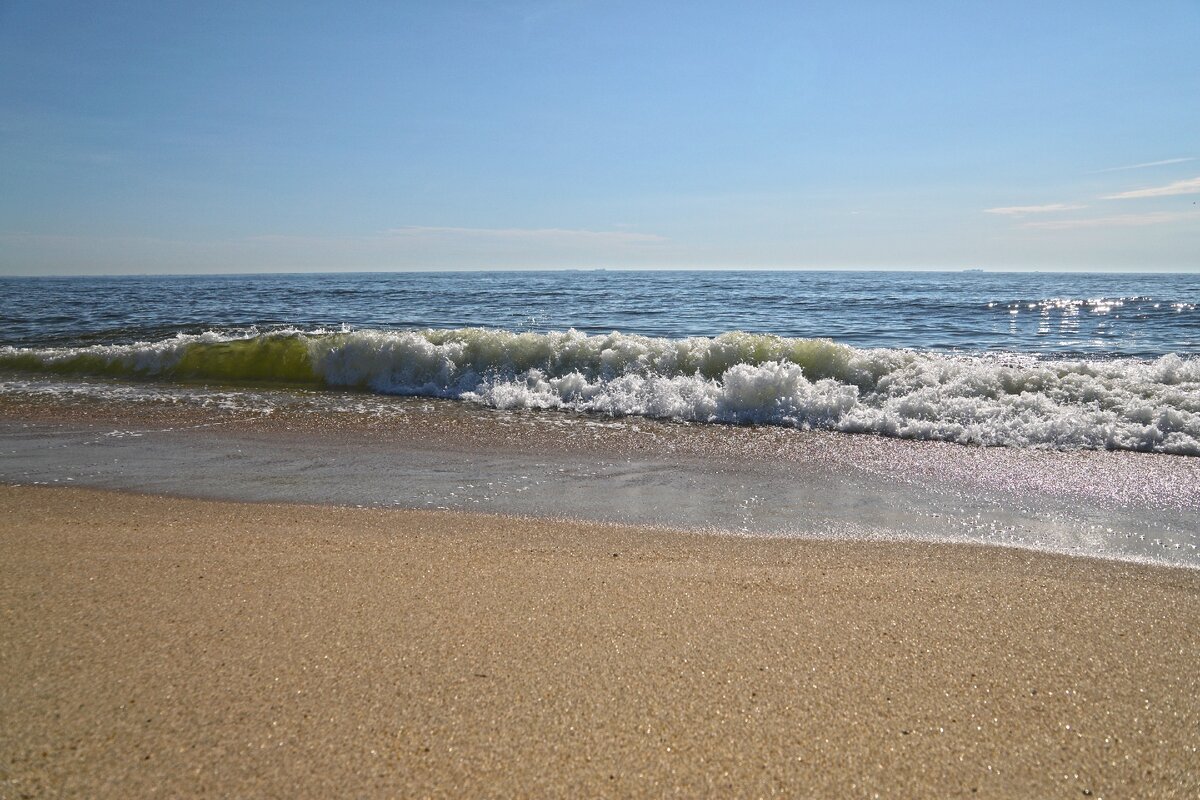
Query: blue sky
[[209, 137]]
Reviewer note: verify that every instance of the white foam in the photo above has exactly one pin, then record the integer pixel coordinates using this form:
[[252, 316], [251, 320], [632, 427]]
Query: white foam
[[1121, 403]]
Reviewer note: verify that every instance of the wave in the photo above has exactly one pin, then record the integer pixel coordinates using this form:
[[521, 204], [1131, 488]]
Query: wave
[[1121, 403]]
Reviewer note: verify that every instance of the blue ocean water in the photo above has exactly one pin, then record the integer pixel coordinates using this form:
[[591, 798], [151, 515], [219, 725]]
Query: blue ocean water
[[1026, 360], [1065, 314]]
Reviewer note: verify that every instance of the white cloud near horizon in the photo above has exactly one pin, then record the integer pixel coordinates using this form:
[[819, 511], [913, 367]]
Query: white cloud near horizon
[[1143, 165], [411, 247], [530, 235], [1186, 186], [560, 236], [1020, 211], [1116, 221]]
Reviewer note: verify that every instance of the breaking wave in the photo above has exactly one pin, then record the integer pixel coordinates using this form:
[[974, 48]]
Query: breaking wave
[[1122, 403]]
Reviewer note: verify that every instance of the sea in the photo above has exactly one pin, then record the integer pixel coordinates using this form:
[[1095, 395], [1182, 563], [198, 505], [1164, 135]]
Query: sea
[[1026, 360], [1054, 412]]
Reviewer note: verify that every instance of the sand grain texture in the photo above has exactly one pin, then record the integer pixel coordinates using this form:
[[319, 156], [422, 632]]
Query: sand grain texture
[[167, 647]]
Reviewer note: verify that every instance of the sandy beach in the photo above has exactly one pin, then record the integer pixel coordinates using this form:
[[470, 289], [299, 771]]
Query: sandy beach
[[557, 399], [170, 647]]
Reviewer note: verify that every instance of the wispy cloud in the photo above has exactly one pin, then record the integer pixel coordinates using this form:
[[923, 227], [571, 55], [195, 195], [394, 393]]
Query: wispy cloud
[[1188, 186], [1116, 221], [408, 233], [1021, 211], [529, 235], [1162, 163], [410, 247]]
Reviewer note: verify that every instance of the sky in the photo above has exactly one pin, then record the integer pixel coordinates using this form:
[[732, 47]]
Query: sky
[[166, 137]]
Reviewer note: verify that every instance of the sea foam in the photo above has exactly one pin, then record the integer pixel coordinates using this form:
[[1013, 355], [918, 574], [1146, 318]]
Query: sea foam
[[1120, 403]]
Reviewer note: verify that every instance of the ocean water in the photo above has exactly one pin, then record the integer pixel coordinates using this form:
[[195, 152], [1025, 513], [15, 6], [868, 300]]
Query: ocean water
[[1062, 361]]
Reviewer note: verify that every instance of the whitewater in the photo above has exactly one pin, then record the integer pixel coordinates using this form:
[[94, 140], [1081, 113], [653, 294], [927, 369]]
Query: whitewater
[[1009, 399]]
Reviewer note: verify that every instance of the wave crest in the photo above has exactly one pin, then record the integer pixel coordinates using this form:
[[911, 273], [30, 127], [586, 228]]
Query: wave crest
[[737, 377]]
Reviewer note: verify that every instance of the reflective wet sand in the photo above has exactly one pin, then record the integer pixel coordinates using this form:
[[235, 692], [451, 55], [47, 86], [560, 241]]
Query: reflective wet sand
[[413, 453]]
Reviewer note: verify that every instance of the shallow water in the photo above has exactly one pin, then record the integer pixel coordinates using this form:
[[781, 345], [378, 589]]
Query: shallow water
[[738, 480]]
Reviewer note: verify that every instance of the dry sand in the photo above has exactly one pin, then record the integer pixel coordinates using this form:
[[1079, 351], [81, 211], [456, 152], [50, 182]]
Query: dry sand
[[159, 646]]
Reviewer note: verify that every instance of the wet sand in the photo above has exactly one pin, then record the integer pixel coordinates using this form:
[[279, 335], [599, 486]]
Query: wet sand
[[176, 647], [441, 454]]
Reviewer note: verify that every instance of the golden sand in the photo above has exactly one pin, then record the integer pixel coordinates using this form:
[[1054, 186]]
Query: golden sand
[[170, 647]]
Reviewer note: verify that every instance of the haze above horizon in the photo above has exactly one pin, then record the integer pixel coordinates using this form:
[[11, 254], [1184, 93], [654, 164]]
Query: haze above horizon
[[164, 137]]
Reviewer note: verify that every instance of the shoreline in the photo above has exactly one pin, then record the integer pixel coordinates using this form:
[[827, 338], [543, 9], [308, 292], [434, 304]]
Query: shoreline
[[766, 481], [517, 519], [167, 645]]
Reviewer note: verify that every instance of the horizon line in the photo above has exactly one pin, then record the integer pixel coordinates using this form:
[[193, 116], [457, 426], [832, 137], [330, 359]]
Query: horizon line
[[494, 270]]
